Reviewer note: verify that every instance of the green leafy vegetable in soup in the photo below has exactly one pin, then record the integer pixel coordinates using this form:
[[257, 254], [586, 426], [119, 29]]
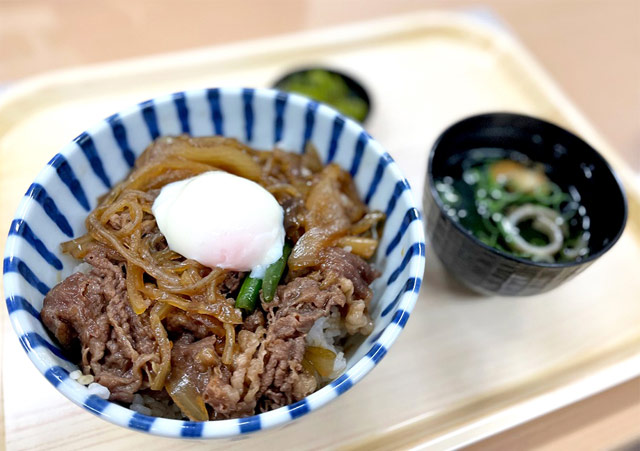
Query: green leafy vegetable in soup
[[509, 203], [329, 88]]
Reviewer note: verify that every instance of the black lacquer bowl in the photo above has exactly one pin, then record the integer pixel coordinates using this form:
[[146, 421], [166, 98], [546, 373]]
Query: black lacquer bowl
[[571, 161]]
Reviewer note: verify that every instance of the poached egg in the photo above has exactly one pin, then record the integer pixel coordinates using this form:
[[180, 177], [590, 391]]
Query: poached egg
[[221, 220]]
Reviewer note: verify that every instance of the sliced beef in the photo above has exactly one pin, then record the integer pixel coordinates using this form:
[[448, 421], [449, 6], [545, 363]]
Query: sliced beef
[[295, 308], [200, 326], [267, 372], [268, 365], [231, 282], [336, 263], [74, 309], [192, 360], [233, 391], [94, 309], [353, 275], [253, 321], [294, 214], [284, 379], [298, 304]]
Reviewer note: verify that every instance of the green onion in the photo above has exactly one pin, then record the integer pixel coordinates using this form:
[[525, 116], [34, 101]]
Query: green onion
[[273, 274], [248, 295]]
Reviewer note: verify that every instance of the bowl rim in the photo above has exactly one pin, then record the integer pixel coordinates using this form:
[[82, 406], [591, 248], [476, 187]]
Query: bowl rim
[[41, 355], [512, 115]]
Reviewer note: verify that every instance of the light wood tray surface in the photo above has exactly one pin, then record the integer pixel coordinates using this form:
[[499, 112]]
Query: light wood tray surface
[[466, 366]]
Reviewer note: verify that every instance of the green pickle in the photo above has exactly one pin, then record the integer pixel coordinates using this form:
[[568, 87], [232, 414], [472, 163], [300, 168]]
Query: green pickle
[[328, 88]]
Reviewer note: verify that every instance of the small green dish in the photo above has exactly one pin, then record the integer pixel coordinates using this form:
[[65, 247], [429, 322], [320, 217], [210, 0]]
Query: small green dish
[[329, 86]]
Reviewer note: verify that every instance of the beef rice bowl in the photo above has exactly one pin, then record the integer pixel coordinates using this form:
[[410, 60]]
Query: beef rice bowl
[[217, 281]]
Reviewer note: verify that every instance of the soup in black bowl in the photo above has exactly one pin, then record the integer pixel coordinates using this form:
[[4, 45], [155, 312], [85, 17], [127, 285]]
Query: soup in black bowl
[[509, 203], [516, 205]]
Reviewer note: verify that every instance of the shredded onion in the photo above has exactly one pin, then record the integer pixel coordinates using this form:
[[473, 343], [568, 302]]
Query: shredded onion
[[321, 359], [229, 342], [160, 370], [183, 392], [367, 222], [134, 285], [359, 245], [545, 220]]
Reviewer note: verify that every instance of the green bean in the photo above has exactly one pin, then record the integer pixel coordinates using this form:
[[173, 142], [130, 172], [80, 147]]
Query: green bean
[[248, 295], [273, 274]]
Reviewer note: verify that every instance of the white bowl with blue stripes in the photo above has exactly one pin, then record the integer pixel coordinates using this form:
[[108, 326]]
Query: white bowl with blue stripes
[[56, 204]]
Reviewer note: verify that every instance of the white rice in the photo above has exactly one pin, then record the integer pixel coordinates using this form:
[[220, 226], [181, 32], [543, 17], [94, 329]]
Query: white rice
[[74, 375], [99, 390], [141, 408], [144, 404], [325, 333], [148, 405], [93, 387], [85, 379]]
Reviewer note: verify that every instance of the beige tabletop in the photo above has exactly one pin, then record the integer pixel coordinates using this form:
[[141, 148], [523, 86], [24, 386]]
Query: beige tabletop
[[591, 47]]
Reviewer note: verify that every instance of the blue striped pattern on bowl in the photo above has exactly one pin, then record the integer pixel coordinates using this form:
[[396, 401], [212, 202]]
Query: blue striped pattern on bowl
[[56, 204]]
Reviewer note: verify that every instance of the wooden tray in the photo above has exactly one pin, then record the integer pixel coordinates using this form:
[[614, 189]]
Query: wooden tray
[[466, 366]]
